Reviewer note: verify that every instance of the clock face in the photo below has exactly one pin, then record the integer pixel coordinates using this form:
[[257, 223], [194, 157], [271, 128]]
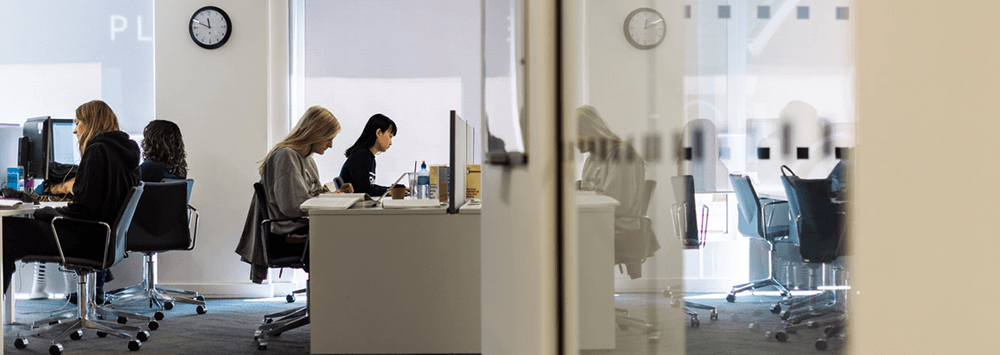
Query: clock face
[[645, 28], [210, 27]]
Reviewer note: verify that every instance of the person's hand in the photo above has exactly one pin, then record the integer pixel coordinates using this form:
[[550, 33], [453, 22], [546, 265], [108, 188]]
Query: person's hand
[[346, 189]]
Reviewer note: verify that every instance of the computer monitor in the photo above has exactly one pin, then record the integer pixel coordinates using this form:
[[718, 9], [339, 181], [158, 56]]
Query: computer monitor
[[45, 140]]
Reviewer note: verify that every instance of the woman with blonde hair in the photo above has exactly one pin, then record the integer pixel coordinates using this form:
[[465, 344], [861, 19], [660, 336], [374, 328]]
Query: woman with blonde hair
[[109, 168], [614, 168]]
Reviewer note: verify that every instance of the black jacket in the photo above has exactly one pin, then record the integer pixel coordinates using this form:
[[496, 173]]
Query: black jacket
[[108, 169], [359, 171]]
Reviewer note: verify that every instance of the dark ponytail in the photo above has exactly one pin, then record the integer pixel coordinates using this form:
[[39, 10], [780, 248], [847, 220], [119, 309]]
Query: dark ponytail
[[368, 137]]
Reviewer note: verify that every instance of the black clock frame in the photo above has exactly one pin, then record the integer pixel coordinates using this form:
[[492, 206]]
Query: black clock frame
[[229, 30]]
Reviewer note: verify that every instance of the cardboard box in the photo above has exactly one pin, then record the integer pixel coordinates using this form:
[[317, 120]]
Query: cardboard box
[[472, 180]]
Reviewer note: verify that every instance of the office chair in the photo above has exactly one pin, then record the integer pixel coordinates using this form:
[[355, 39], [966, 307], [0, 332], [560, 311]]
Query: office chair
[[89, 315], [163, 221], [761, 218], [276, 323], [818, 222], [686, 227], [645, 243]]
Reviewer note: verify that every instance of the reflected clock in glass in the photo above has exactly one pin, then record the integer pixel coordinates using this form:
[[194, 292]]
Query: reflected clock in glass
[[210, 27], [645, 28]]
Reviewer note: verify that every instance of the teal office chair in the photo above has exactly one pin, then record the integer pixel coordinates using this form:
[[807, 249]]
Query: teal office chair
[[760, 218], [89, 315], [818, 222], [686, 227], [279, 254], [163, 221]]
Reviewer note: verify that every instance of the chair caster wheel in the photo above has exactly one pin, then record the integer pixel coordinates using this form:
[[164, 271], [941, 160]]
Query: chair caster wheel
[[821, 344], [781, 336], [159, 315], [153, 325], [122, 320], [142, 336], [256, 334], [695, 322], [101, 334], [713, 315], [290, 298], [20, 343], [56, 349], [730, 298], [666, 293], [201, 310], [200, 298], [134, 345], [776, 308], [675, 302], [168, 306], [261, 345], [77, 335], [785, 314], [812, 325], [268, 320]]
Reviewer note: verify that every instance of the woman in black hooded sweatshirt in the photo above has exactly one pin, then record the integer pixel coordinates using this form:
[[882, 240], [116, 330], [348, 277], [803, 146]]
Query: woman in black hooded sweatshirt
[[109, 167]]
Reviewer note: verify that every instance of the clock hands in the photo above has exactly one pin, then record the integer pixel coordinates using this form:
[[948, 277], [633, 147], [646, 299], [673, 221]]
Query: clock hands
[[209, 25], [652, 24]]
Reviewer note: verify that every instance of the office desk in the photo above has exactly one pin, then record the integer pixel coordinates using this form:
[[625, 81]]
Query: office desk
[[774, 192], [596, 231], [394, 281]]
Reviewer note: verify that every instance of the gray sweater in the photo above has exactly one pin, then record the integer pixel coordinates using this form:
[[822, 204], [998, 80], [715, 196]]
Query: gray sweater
[[289, 179]]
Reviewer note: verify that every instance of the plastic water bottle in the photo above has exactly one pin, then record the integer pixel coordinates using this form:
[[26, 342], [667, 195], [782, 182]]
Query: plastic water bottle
[[423, 182]]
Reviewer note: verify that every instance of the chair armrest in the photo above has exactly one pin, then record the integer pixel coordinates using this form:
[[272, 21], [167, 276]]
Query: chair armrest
[[193, 225], [70, 221], [767, 216]]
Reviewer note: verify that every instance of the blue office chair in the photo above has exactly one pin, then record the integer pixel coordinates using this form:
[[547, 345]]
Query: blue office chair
[[89, 315], [163, 221], [686, 227], [818, 221], [278, 254], [761, 218]]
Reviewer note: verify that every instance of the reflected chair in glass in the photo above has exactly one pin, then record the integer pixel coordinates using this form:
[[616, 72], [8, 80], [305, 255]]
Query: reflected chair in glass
[[766, 219], [686, 227], [818, 221], [163, 221], [89, 315], [644, 245], [278, 253]]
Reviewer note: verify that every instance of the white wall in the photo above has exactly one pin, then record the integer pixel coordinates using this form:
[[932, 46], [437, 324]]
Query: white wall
[[220, 99], [925, 235]]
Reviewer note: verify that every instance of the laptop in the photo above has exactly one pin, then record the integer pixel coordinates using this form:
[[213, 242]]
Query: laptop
[[372, 203]]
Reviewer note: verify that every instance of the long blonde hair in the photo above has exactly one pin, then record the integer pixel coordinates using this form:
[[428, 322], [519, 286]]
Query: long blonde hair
[[316, 125], [98, 117], [591, 126]]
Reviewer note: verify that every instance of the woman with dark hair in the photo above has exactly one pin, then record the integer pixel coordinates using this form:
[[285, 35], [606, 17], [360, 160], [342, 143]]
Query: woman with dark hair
[[359, 169], [162, 152], [109, 167]]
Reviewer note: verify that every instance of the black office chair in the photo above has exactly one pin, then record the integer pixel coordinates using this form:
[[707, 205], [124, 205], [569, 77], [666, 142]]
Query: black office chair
[[686, 227], [761, 218], [633, 251], [163, 221], [818, 222], [89, 315], [277, 254]]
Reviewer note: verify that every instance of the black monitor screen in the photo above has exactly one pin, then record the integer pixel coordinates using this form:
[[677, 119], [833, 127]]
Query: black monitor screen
[[45, 140]]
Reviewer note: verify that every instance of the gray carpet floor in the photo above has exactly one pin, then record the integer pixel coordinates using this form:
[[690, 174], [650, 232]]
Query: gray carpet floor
[[228, 328]]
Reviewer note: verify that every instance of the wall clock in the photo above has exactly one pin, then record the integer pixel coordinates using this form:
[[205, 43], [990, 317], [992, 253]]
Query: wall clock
[[210, 27], [645, 28]]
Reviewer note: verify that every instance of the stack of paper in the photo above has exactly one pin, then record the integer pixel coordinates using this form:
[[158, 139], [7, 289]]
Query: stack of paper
[[411, 203], [10, 204], [332, 201]]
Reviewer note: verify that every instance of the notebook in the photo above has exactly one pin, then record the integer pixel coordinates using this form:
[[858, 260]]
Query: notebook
[[334, 201], [411, 203], [10, 204]]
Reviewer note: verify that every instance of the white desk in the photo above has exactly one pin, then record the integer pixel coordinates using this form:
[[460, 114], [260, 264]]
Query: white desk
[[776, 192], [393, 281], [596, 230]]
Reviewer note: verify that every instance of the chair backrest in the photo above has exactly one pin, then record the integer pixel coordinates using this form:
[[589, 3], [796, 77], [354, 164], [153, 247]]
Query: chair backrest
[[121, 226], [190, 186], [793, 201], [268, 240], [161, 218], [684, 209], [819, 221], [748, 206]]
